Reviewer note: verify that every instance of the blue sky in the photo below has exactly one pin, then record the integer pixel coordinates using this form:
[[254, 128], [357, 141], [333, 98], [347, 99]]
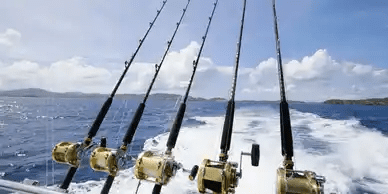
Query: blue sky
[[103, 34]]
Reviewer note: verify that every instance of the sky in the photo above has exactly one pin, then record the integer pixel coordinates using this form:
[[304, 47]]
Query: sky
[[330, 48]]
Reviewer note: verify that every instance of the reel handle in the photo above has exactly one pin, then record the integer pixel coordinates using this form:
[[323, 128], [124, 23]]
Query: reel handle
[[193, 172], [255, 154]]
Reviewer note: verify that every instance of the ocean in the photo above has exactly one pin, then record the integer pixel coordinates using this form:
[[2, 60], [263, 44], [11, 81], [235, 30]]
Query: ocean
[[347, 144]]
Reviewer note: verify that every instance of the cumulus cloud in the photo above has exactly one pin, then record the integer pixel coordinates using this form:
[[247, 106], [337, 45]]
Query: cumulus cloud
[[317, 78], [313, 78], [9, 38], [62, 76], [9, 42]]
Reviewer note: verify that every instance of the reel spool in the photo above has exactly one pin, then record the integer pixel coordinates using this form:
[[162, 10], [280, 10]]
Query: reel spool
[[156, 168], [105, 160], [293, 181], [66, 153]]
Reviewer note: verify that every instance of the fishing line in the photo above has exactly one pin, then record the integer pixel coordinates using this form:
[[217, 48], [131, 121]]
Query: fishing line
[[52, 142], [137, 188], [48, 151], [118, 110], [124, 116]]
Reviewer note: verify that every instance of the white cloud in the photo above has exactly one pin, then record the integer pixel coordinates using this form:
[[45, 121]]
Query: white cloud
[[9, 42], [9, 38], [313, 78]]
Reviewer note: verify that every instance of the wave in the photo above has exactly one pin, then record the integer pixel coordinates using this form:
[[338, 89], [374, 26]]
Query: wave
[[353, 158]]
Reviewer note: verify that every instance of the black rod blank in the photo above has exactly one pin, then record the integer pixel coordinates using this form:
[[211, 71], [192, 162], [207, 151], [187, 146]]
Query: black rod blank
[[107, 185], [229, 116], [70, 174], [127, 64], [128, 137], [105, 108], [136, 119], [179, 117], [166, 52], [285, 122]]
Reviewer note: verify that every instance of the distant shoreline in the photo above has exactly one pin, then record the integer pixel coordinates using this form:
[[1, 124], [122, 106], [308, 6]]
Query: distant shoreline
[[372, 101], [40, 93]]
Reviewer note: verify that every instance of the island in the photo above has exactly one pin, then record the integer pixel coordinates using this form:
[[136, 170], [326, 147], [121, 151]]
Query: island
[[371, 101], [41, 93]]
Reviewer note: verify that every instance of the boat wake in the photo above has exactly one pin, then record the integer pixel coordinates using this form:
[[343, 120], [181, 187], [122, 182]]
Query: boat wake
[[353, 158]]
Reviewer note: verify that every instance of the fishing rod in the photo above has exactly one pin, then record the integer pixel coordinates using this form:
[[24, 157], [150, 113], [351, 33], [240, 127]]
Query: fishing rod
[[222, 176], [288, 179], [98, 156], [68, 152], [159, 168]]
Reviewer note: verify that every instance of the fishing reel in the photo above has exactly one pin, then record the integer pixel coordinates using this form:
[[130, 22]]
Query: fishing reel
[[107, 159], [221, 176], [294, 181], [154, 167], [69, 152]]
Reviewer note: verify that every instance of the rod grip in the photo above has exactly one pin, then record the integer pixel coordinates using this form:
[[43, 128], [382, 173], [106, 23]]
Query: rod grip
[[100, 117], [134, 123], [172, 138], [286, 133], [228, 126], [157, 189], [69, 177], [107, 185]]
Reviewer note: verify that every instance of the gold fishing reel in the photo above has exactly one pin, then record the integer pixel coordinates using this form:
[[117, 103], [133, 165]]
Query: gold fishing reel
[[154, 167], [222, 176], [66, 153], [294, 181], [69, 152], [105, 159], [304, 182]]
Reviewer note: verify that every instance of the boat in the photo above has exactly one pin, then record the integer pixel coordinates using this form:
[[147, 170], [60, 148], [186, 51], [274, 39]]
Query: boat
[[217, 176]]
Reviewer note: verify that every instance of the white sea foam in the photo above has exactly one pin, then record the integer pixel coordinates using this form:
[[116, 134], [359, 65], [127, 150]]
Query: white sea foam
[[350, 156]]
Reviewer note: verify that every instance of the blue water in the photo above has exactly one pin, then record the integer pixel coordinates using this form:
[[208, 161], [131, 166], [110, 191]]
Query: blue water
[[30, 127]]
